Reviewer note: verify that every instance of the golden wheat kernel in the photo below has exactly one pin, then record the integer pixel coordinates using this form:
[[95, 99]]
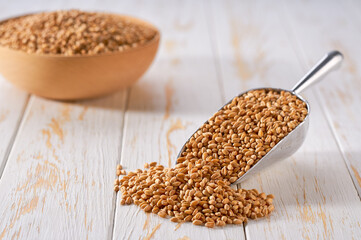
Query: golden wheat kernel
[[271, 196], [220, 223], [210, 224], [240, 174], [116, 188], [194, 203], [198, 216], [128, 200], [269, 201], [174, 219], [237, 221], [271, 208], [224, 218], [153, 164], [188, 212], [116, 181], [155, 210], [197, 222], [233, 179], [263, 196]]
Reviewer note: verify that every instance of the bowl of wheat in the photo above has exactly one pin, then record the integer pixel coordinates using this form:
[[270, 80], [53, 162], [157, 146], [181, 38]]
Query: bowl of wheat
[[72, 54]]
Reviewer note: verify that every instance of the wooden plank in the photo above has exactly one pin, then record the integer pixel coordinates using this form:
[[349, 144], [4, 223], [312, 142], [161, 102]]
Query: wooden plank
[[341, 94], [352, 8], [12, 100], [59, 176], [177, 96], [58, 179], [12, 105], [311, 187]]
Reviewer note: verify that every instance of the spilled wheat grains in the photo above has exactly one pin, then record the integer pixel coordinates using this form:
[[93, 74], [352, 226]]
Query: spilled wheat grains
[[198, 188]]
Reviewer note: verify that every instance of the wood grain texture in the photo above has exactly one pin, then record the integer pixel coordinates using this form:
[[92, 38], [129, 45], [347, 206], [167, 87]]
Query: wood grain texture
[[57, 181], [12, 105], [60, 173], [255, 51], [12, 100], [58, 178], [340, 95], [165, 108]]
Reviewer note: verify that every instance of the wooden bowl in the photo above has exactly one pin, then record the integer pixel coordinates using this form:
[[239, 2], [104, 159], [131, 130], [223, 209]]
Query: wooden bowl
[[77, 77]]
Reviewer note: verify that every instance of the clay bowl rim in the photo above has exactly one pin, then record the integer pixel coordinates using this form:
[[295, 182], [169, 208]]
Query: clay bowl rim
[[154, 40]]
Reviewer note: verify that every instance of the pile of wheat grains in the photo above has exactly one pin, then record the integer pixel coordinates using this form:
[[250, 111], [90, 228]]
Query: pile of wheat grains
[[198, 188], [73, 32]]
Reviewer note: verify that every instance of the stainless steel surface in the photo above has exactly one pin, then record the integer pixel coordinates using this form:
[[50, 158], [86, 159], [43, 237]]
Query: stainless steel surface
[[329, 62], [293, 141]]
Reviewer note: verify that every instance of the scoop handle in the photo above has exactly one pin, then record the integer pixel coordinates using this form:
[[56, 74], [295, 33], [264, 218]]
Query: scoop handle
[[329, 62]]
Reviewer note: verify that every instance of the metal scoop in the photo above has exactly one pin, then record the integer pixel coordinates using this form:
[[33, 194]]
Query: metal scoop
[[293, 141]]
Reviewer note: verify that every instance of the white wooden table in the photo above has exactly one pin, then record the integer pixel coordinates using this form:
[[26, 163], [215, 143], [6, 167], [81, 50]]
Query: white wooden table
[[58, 160]]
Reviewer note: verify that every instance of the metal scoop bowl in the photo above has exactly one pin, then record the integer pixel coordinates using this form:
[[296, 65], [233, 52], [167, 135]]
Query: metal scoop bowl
[[293, 141]]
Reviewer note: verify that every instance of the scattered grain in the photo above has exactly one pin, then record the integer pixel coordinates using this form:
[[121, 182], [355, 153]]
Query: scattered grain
[[198, 188]]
